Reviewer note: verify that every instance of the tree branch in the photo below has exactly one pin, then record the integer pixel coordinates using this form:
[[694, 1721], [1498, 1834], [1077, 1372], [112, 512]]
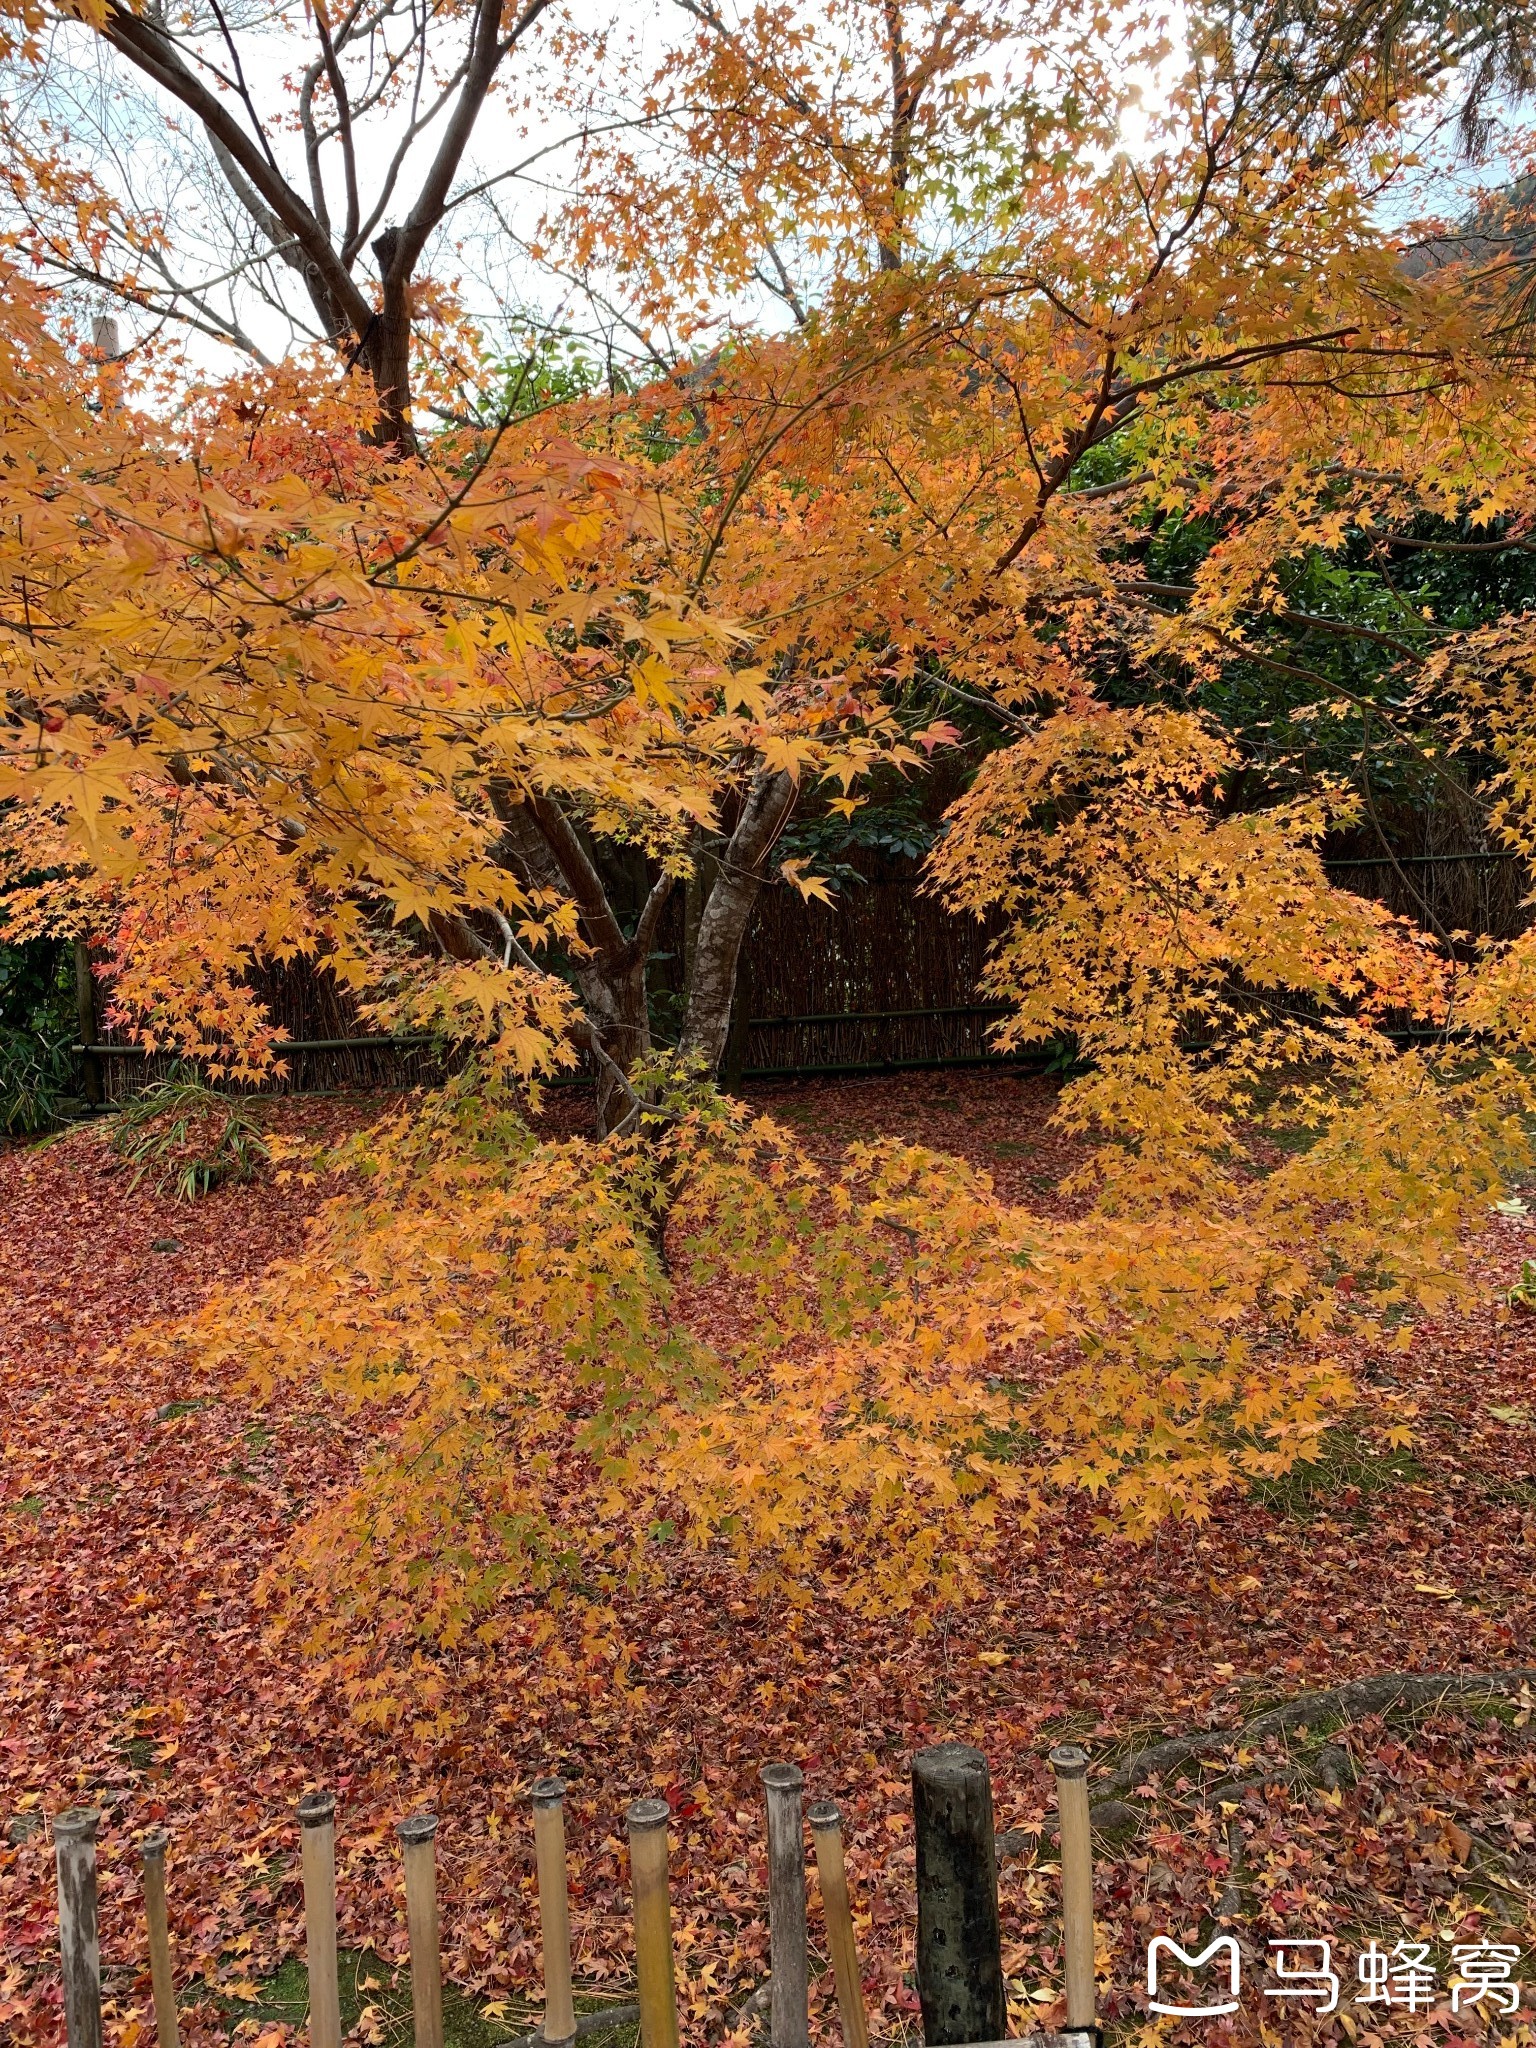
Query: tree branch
[[650, 915], [487, 50], [152, 52]]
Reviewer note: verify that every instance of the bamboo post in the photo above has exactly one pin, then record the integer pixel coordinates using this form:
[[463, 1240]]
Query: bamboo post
[[418, 1851], [959, 1936], [789, 2023], [1071, 1767], [161, 1977], [827, 1833], [548, 1797], [74, 1839], [317, 1824], [653, 1923]]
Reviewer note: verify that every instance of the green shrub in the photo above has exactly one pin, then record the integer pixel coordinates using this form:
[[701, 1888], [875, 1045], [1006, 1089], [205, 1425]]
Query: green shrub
[[187, 1137], [37, 1028], [36, 1073]]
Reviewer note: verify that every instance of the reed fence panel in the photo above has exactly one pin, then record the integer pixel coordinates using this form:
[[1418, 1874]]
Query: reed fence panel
[[883, 977]]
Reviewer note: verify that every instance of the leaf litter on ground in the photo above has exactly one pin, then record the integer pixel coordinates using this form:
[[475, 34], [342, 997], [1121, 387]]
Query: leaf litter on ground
[[139, 1675]]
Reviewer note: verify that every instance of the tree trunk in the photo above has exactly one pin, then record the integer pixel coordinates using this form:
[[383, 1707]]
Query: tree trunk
[[385, 346], [700, 875], [959, 1945], [541, 843], [615, 996], [727, 911], [741, 1022]]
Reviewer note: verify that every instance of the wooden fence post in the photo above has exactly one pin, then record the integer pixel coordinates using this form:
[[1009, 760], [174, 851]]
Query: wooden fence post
[[959, 1938], [74, 1838], [548, 1795], [317, 1825], [1071, 1767], [86, 1024], [157, 1920], [789, 2009], [653, 1923], [827, 1833], [418, 1852]]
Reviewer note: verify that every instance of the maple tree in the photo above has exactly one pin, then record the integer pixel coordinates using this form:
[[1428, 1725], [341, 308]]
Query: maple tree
[[657, 1450], [277, 683], [982, 307]]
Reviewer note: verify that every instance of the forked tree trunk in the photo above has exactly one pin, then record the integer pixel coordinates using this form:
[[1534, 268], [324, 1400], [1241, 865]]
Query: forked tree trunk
[[543, 847], [540, 843], [726, 915]]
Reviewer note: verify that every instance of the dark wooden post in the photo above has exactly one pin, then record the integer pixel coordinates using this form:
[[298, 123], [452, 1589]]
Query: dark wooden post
[[85, 1023], [959, 1938], [789, 2024], [74, 1841]]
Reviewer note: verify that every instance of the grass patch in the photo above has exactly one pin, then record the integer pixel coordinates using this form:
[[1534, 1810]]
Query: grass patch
[[1518, 1493], [1345, 1461], [1295, 1139], [376, 1999], [1078, 1726]]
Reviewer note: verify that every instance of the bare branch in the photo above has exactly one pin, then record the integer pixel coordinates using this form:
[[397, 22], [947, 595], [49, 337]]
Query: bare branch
[[152, 52]]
